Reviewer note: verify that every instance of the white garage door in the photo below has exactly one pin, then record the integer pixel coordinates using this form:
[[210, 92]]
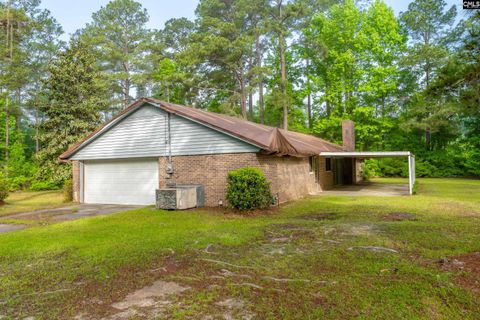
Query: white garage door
[[121, 181]]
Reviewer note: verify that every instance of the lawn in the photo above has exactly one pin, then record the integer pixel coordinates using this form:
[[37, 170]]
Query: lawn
[[24, 201], [325, 257]]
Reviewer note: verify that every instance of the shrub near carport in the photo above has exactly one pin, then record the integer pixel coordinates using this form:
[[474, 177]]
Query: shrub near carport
[[248, 189]]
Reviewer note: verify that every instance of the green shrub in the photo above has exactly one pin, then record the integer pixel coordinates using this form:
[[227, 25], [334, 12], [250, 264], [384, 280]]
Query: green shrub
[[371, 169], [68, 191], [4, 188], [425, 169], [248, 189], [44, 185]]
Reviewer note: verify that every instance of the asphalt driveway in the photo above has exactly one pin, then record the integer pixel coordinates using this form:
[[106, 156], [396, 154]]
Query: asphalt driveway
[[67, 213]]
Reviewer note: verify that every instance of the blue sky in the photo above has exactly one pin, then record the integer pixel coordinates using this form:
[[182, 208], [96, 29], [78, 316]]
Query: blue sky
[[74, 14]]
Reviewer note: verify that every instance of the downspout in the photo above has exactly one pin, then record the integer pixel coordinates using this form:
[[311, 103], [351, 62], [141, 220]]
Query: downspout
[[169, 168]]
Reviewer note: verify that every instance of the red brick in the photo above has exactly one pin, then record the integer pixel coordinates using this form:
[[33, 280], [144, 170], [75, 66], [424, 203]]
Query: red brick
[[290, 177]]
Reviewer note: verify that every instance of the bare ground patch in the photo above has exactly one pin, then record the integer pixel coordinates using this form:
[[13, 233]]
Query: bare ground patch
[[467, 267], [320, 216], [400, 216]]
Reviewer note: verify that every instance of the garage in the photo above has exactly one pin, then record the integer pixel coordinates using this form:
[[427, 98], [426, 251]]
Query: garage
[[128, 181]]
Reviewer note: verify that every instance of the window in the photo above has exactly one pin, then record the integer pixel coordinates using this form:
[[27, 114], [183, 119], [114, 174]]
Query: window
[[328, 164]]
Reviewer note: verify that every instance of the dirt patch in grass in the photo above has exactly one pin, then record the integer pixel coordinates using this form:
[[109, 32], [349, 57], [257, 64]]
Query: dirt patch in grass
[[400, 216], [235, 212], [98, 299], [320, 216], [468, 268]]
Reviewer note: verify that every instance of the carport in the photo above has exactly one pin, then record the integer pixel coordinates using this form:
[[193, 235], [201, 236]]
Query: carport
[[361, 155]]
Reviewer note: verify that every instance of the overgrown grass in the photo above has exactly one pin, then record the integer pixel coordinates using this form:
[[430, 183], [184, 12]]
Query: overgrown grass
[[113, 254], [24, 201]]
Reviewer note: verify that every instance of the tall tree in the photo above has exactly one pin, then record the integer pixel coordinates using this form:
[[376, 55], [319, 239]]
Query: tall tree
[[173, 72], [74, 96], [29, 41], [427, 23], [119, 37], [282, 17], [223, 43], [355, 55]]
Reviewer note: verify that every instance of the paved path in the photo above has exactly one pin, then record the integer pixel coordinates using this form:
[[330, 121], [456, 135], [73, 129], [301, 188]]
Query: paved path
[[369, 189], [67, 213], [11, 227]]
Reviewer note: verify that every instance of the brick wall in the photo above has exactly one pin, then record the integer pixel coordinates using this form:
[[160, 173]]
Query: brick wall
[[76, 180], [289, 176], [325, 177], [359, 168]]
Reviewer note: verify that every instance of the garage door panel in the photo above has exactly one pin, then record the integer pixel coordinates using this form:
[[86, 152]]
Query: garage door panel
[[121, 182]]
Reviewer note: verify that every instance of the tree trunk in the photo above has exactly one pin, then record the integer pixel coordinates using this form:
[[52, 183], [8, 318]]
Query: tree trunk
[[37, 143], [126, 91], [309, 110], [261, 105], [428, 133], [18, 110], [250, 105], [7, 128], [243, 95], [126, 80], [309, 98], [9, 38], [283, 80]]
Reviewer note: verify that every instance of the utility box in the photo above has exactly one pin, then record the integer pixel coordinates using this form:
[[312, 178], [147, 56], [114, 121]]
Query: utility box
[[180, 197], [200, 190]]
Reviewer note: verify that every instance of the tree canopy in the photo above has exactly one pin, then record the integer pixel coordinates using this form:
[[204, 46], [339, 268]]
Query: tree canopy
[[409, 81]]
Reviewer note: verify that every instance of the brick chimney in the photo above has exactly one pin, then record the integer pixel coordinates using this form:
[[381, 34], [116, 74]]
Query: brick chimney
[[348, 135]]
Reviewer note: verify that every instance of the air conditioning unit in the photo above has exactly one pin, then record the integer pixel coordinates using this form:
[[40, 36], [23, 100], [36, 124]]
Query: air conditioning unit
[[180, 197]]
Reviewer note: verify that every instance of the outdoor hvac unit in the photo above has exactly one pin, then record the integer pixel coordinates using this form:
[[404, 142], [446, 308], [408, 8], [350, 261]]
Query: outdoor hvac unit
[[181, 196]]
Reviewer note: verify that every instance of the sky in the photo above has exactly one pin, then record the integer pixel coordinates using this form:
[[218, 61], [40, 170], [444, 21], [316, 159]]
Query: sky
[[74, 14]]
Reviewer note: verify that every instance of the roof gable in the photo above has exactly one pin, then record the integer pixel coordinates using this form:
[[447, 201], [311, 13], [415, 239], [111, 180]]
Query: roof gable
[[143, 133], [244, 135]]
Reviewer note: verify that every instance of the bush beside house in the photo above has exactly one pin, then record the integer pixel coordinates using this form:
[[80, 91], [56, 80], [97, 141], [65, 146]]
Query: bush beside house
[[248, 188]]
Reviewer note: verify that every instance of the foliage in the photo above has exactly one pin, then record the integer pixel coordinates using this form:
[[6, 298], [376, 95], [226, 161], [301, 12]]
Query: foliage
[[74, 96], [248, 189], [68, 190], [354, 56], [120, 41], [20, 170], [38, 185], [4, 187], [409, 82], [427, 23]]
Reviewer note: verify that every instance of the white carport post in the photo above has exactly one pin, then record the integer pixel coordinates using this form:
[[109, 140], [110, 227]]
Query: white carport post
[[411, 172]]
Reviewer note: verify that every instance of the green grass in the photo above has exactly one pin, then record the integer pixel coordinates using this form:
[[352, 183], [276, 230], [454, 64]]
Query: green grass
[[107, 257], [24, 201]]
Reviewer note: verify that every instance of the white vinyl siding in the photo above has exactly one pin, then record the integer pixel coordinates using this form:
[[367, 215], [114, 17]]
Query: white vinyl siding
[[144, 134], [128, 181]]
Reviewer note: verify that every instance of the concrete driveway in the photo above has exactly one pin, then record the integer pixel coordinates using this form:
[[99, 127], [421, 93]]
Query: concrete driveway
[[67, 213], [369, 189]]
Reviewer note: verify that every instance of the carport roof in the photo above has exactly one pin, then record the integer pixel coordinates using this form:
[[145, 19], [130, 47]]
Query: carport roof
[[367, 154]]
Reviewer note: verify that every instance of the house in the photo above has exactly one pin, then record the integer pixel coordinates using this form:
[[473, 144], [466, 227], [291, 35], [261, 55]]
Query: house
[[153, 143]]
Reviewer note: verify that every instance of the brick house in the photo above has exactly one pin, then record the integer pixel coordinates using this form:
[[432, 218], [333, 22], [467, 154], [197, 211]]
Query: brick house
[[152, 143]]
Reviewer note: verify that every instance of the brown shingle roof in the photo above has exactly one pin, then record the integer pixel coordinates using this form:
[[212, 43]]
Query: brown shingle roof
[[271, 140]]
